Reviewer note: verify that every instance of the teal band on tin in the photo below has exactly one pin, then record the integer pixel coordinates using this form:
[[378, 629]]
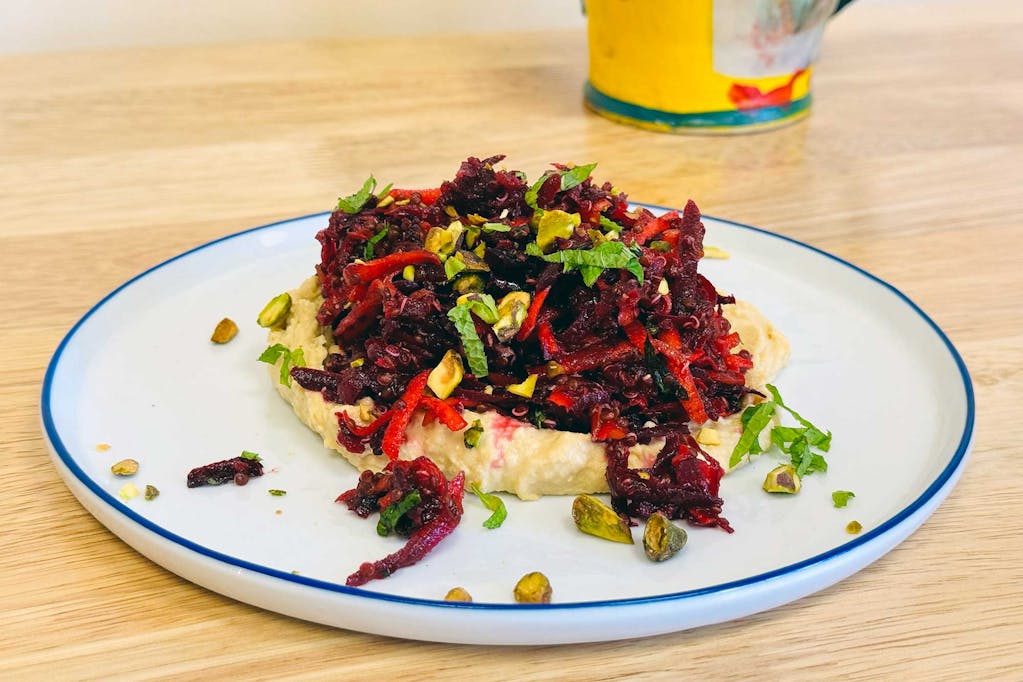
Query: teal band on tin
[[710, 119]]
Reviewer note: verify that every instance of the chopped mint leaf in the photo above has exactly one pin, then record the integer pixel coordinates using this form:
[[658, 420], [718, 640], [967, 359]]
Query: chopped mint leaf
[[814, 436], [755, 419], [494, 504], [483, 305], [250, 455], [272, 353], [799, 443], [592, 262], [389, 517], [472, 346], [609, 225], [575, 176], [570, 177], [277, 493], [367, 250], [842, 497], [534, 190], [291, 358], [355, 202]]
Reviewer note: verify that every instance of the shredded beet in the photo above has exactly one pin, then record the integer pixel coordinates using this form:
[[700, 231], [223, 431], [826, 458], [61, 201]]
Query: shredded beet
[[427, 523], [219, 473], [625, 359]]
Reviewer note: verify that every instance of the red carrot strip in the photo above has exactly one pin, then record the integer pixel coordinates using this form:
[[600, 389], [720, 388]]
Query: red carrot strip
[[429, 196], [656, 227], [560, 398], [394, 436], [392, 264], [548, 344], [531, 316], [360, 316], [447, 414], [678, 364], [368, 429], [637, 335]]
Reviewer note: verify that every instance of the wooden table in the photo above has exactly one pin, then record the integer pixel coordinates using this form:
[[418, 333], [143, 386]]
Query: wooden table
[[909, 166]]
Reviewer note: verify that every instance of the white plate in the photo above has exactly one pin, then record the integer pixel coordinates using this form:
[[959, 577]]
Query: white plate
[[138, 372]]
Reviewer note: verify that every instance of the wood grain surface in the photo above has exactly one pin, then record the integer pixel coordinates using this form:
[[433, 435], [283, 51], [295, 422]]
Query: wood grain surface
[[909, 166]]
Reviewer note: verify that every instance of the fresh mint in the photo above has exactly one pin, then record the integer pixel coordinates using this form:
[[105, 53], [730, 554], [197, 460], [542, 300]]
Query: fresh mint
[[840, 498], [367, 250], [803, 444], [494, 504], [390, 516], [483, 305], [355, 202], [592, 262], [472, 346], [609, 225], [289, 358], [570, 177]]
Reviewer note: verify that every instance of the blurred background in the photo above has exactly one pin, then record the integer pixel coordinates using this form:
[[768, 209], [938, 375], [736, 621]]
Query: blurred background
[[28, 26]]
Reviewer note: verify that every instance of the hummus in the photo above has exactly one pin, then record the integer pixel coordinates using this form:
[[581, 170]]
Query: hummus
[[512, 456]]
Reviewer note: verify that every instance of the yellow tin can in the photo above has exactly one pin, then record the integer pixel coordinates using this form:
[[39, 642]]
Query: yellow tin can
[[703, 65]]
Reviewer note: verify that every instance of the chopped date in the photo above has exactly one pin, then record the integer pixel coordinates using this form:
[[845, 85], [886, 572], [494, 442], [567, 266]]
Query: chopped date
[[218, 473]]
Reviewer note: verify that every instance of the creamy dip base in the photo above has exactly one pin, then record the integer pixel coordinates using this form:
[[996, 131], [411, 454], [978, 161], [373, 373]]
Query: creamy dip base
[[512, 456]]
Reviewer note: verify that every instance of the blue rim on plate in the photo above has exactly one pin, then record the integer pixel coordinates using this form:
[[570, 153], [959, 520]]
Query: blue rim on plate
[[943, 478]]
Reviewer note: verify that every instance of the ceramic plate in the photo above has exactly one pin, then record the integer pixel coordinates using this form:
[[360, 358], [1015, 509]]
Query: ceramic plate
[[139, 373]]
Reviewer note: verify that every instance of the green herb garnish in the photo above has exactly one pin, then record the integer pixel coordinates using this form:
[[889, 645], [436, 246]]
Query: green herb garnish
[[538, 418], [461, 316], [367, 250], [755, 419], [355, 202], [592, 262], [800, 443], [666, 384], [570, 177], [797, 442], [277, 493], [484, 306], [575, 175], [609, 225], [472, 435], [389, 517], [842, 497], [494, 504], [530, 196], [250, 455], [291, 358]]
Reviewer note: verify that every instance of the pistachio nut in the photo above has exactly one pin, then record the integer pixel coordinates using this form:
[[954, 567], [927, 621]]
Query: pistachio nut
[[275, 313], [445, 377], [593, 517], [533, 588], [782, 479], [662, 539]]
